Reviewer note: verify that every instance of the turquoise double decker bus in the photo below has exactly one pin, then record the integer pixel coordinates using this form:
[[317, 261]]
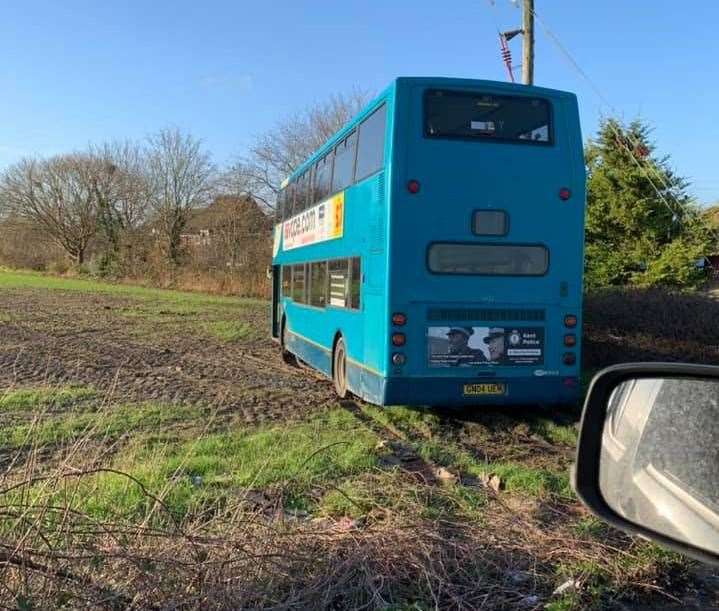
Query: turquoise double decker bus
[[431, 251]]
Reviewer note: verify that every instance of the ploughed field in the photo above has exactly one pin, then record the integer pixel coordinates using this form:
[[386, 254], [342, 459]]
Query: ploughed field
[[155, 452]]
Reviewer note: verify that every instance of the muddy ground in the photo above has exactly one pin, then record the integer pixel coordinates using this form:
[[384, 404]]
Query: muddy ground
[[64, 337]]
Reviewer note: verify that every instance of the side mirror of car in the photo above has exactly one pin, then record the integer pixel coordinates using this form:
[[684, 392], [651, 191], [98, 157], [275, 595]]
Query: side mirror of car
[[648, 454]]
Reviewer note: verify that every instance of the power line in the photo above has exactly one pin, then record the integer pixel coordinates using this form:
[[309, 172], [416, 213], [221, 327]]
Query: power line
[[620, 137]]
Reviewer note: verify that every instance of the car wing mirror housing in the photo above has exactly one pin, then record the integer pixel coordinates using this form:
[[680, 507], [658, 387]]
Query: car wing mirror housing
[[648, 454]]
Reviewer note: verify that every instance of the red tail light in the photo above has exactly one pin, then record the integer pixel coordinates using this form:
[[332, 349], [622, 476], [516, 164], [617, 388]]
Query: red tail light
[[570, 340], [413, 186], [570, 382], [399, 319], [569, 358], [564, 194], [398, 339], [570, 320]]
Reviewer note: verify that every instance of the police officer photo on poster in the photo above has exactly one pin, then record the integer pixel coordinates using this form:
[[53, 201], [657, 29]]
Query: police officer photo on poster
[[464, 346]]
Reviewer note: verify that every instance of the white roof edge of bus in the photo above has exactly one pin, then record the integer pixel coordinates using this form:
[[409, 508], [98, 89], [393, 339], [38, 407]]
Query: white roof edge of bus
[[340, 133]]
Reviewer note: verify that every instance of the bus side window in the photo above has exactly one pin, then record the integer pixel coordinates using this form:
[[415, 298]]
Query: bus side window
[[344, 163], [286, 280], [298, 283], [318, 284], [310, 187], [323, 177], [370, 148], [355, 283], [339, 273], [285, 203]]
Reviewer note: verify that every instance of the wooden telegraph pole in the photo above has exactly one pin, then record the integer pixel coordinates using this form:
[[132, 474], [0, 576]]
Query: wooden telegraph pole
[[528, 42]]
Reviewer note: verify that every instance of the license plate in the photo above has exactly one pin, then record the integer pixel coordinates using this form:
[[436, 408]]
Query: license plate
[[474, 390]]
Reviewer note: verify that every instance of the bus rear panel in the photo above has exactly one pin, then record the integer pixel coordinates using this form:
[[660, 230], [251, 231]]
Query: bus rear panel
[[486, 245]]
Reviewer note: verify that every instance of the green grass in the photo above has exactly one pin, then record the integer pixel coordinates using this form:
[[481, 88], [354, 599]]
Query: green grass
[[12, 279], [591, 527], [430, 445], [35, 399], [557, 434], [108, 423], [230, 330], [599, 578], [416, 421], [515, 476], [217, 321], [531, 480], [196, 474], [567, 602], [390, 493], [324, 448]]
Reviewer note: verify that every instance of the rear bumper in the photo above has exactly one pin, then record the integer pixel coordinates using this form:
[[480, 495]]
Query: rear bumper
[[449, 391]]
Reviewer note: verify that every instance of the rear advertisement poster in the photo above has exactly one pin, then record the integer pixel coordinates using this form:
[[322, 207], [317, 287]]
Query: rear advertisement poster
[[461, 346]]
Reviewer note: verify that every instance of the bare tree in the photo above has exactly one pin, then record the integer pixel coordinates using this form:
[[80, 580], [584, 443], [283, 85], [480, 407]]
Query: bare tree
[[275, 154], [180, 175], [56, 195], [241, 233], [122, 192], [123, 183]]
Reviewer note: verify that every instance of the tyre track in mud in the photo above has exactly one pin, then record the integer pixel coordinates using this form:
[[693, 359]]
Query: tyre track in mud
[[56, 337]]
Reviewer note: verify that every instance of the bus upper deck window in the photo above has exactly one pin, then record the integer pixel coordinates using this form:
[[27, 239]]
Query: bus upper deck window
[[323, 177], [474, 115], [343, 175], [490, 222], [370, 147]]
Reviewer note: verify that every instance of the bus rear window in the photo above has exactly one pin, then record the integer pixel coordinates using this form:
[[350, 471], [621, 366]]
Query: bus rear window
[[488, 259], [470, 115]]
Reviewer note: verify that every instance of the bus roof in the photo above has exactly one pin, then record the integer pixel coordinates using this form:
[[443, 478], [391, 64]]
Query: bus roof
[[435, 81]]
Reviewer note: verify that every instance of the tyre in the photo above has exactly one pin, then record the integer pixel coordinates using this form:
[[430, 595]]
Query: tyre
[[339, 368], [287, 356]]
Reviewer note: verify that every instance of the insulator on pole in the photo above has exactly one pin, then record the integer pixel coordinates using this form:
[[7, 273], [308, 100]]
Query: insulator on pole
[[506, 54]]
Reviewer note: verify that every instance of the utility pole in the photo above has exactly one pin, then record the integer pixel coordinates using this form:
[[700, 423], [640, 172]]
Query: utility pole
[[528, 42]]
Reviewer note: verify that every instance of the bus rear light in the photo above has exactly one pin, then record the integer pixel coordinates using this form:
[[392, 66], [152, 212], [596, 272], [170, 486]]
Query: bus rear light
[[399, 319], [398, 358], [564, 194], [570, 320], [413, 186], [569, 358], [398, 339], [570, 340], [570, 382]]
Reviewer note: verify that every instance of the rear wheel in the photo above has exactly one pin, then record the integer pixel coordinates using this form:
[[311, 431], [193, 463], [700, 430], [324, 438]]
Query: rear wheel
[[287, 356], [339, 369]]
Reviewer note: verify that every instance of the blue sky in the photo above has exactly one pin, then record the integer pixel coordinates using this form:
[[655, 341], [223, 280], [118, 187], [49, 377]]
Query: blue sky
[[82, 71]]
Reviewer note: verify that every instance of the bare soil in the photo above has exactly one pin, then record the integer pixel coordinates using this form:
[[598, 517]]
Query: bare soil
[[64, 337]]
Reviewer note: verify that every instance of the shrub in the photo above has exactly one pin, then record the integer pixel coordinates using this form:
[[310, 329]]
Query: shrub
[[649, 324]]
